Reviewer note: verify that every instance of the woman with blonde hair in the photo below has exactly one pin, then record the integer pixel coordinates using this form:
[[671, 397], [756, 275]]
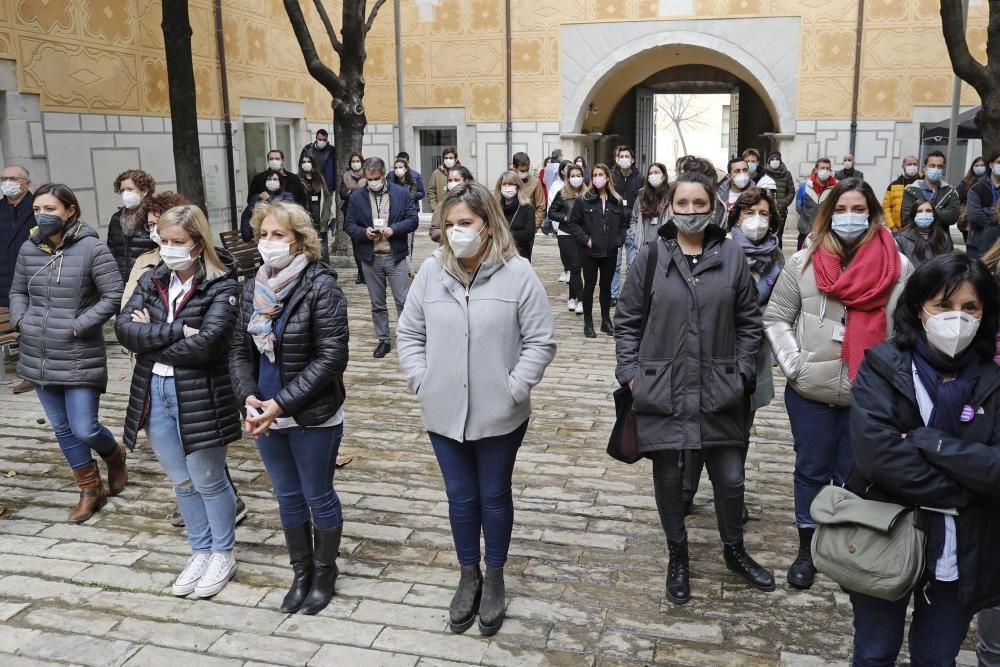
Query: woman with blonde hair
[[833, 301], [563, 202], [518, 210], [288, 360], [475, 336], [179, 323]]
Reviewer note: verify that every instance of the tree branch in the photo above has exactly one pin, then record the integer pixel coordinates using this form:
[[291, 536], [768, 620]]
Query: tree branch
[[330, 32], [374, 13], [965, 66], [319, 71]]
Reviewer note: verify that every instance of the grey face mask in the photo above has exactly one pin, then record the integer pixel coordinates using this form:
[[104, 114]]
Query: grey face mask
[[692, 223]]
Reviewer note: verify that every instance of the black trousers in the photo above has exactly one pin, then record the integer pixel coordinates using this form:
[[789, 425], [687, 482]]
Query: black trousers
[[694, 464], [569, 254], [524, 249], [592, 266], [725, 469]]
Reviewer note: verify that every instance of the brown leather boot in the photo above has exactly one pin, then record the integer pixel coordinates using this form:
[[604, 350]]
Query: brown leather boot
[[92, 493], [117, 472]]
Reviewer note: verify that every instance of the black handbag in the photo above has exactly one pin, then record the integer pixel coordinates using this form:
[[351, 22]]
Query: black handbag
[[623, 445]]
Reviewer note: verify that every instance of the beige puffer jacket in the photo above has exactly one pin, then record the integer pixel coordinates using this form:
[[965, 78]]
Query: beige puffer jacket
[[799, 324]]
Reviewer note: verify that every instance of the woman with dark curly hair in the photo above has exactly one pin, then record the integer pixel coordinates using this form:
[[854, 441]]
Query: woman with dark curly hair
[[127, 235]]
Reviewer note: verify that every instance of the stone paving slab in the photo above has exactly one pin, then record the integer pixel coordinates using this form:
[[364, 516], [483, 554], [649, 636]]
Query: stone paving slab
[[585, 576]]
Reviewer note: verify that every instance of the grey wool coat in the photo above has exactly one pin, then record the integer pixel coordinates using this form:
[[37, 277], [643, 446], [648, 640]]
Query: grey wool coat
[[696, 364], [59, 301]]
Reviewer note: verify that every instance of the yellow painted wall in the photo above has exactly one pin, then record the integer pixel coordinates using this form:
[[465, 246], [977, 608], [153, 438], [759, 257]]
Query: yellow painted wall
[[106, 56]]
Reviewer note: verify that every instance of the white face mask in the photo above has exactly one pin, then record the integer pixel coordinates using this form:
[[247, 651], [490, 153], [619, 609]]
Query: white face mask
[[951, 332], [508, 191], [576, 181], [655, 180], [154, 235], [848, 164], [131, 199], [741, 180], [274, 164], [464, 241], [400, 172], [356, 166], [449, 163], [320, 144], [823, 174], [775, 164], [177, 258], [849, 226], [306, 167], [451, 185], [376, 186], [273, 186], [275, 254], [624, 162], [752, 166], [755, 227], [524, 175], [910, 170], [10, 189]]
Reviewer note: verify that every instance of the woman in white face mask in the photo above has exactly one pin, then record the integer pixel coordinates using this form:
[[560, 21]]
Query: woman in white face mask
[[925, 428], [574, 186], [518, 210], [652, 206], [832, 302], [275, 190], [288, 360], [127, 235], [456, 176], [179, 323], [475, 337]]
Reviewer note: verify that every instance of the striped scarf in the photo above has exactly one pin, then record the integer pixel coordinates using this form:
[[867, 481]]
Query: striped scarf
[[270, 294]]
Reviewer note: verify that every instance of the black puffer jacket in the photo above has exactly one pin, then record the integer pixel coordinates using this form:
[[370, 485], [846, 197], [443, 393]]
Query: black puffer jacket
[[59, 301], [604, 226], [930, 468], [521, 219], [127, 248], [311, 353], [208, 412]]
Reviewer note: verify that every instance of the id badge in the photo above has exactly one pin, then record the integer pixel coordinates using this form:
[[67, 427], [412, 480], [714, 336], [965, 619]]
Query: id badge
[[838, 333], [315, 197]]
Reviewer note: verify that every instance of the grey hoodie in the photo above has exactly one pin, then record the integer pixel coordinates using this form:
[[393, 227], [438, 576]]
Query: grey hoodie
[[473, 355]]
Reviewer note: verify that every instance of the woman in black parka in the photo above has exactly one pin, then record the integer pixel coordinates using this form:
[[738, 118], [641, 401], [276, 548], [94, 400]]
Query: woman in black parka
[[179, 323], [66, 286], [925, 430], [692, 366], [288, 361]]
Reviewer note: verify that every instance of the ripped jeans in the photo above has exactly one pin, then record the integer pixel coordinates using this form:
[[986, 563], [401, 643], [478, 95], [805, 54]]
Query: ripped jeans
[[205, 497]]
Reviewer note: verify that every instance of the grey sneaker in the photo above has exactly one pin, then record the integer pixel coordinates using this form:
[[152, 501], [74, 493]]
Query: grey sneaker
[[241, 510], [176, 520]]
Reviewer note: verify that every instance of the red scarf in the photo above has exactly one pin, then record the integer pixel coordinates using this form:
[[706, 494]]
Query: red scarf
[[820, 187], [864, 287]]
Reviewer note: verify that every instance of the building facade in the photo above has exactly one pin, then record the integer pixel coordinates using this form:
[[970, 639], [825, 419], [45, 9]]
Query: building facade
[[84, 91]]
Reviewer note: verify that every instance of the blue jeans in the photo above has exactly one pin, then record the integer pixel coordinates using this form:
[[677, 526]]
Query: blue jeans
[[205, 498], [301, 462], [72, 411], [630, 252], [477, 478], [936, 633], [822, 437]]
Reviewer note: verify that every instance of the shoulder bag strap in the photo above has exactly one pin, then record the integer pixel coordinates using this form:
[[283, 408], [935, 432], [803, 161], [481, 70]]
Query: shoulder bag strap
[[647, 285]]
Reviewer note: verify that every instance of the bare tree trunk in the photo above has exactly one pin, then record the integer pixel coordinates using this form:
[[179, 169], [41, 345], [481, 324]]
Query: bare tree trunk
[[680, 135], [183, 104]]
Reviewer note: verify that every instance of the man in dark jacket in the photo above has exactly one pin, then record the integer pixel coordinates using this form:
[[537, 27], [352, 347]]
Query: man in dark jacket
[[981, 210], [932, 188], [784, 187], [848, 170], [16, 220], [293, 185], [380, 216], [323, 156], [629, 183]]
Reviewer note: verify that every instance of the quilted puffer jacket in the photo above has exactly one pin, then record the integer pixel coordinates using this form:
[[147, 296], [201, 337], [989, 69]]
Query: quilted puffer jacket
[[799, 322], [311, 353], [59, 300], [208, 412], [127, 248]]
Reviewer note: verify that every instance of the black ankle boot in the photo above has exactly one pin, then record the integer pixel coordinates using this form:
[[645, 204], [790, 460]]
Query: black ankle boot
[[493, 603], [740, 562], [802, 573], [465, 603], [327, 545], [588, 327], [607, 327], [678, 572], [299, 541]]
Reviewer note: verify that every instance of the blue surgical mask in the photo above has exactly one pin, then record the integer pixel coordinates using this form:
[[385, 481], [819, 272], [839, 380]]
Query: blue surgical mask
[[996, 170], [924, 219], [849, 226], [933, 174], [979, 169]]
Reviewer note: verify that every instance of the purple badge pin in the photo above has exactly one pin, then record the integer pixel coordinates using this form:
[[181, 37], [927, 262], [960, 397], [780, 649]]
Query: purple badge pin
[[968, 414]]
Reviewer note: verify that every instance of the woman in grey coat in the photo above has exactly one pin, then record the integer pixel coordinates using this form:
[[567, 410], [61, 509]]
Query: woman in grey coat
[[66, 286], [475, 337], [692, 375]]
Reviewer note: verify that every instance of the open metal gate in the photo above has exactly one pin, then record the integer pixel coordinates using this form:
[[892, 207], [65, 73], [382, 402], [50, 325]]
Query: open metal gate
[[645, 128]]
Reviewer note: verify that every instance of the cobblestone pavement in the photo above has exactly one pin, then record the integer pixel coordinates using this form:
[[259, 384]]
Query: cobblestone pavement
[[585, 577]]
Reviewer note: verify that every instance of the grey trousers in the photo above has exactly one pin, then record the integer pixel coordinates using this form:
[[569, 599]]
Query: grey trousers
[[381, 269], [988, 649]]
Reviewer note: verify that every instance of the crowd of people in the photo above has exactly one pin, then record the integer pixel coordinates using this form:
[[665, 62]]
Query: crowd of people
[[886, 335]]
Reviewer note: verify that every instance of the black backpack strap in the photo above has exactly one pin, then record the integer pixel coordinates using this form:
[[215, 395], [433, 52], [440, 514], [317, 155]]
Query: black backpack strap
[[647, 285]]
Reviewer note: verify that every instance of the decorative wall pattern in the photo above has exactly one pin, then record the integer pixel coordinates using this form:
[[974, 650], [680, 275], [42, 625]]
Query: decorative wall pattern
[[107, 55]]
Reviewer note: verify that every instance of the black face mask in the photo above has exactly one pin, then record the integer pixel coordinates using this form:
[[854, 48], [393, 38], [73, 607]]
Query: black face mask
[[48, 224]]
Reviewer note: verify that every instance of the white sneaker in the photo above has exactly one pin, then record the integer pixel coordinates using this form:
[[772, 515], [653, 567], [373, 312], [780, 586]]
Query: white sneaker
[[564, 277], [193, 571], [221, 569], [579, 307], [571, 305]]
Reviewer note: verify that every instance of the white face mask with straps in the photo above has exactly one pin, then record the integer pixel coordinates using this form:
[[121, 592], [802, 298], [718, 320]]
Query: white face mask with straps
[[951, 332]]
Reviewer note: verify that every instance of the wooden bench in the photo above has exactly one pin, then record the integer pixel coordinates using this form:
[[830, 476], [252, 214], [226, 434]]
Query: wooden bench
[[245, 253], [8, 341]]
